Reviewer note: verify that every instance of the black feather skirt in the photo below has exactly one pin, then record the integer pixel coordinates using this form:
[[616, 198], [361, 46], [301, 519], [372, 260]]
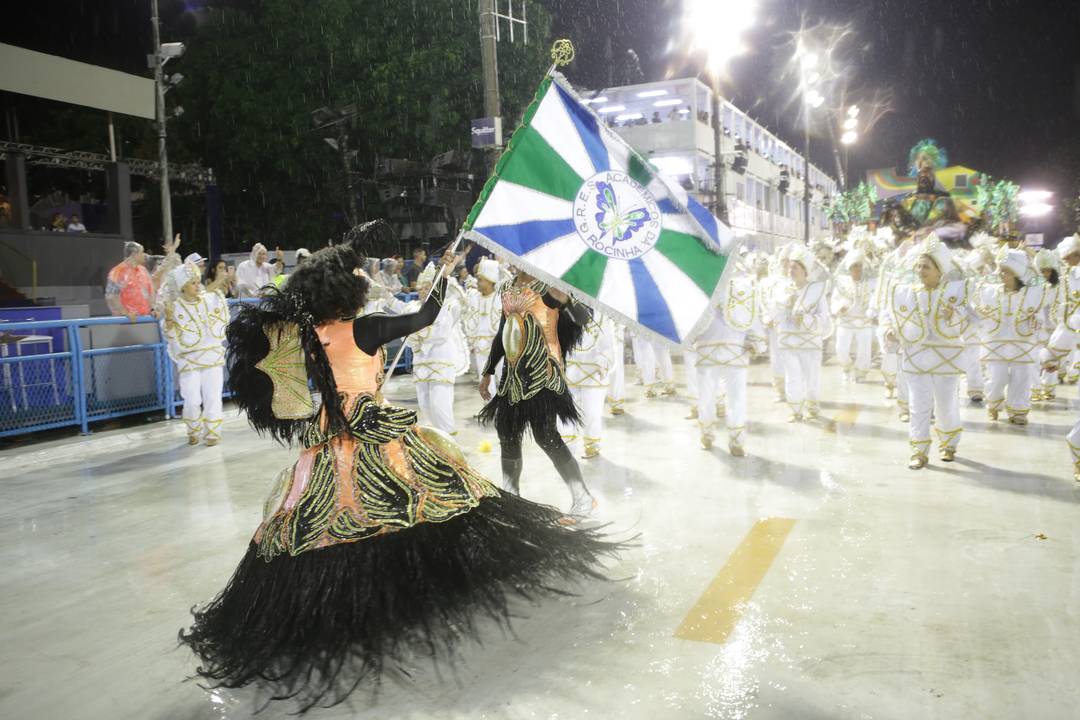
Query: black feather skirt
[[316, 626]]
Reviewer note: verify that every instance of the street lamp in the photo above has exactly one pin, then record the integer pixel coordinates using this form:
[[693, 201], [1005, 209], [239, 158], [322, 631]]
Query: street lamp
[[716, 27], [812, 98]]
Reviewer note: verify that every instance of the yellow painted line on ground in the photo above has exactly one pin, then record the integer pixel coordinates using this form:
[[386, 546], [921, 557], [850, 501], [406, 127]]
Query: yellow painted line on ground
[[845, 416], [720, 607]]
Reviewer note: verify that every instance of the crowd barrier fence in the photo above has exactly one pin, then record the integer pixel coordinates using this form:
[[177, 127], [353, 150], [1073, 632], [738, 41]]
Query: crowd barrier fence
[[70, 373]]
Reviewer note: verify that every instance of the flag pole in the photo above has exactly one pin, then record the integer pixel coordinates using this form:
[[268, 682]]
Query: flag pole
[[562, 53]]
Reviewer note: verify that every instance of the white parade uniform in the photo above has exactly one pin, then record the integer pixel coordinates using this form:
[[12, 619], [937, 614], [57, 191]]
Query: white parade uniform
[[851, 302], [1064, 343], [766, 288], [616, 393], [802, 324], [892, 272], [1009, 325], [195, 332], [930, 325], [588, 373], [481, 323], [723, 358], [654, 364], [440, 354]]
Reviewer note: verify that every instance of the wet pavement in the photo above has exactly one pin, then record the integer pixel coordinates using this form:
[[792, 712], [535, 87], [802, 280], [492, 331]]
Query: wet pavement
[[816, 578]]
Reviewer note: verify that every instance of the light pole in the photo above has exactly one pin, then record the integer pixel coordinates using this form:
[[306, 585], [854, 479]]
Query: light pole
[[162, 54], [716, 28], [811, 99]]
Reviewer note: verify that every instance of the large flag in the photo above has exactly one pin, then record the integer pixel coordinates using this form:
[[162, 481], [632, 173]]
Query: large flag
[[575, 206]]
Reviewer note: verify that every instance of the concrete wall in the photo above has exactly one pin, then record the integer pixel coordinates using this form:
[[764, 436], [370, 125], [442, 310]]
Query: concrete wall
[[63, 260]]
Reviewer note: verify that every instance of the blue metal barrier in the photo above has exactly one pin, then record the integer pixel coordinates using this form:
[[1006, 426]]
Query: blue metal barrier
[[52, 375]]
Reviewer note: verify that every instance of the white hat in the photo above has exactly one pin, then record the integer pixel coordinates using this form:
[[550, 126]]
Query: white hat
[[184, 274], [1068, 246], [854, 257], [1047, 260], [982, 239], [1015, 261], [937, 251], [801, 254], [302, 253], [194, 259], [488, 269], [427, 276]]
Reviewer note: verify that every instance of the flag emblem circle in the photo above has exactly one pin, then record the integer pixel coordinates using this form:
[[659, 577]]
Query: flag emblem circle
[[616, 216]]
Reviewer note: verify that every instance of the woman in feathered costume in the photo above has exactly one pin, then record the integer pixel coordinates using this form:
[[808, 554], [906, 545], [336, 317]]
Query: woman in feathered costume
[[380, 538], [930, 206]]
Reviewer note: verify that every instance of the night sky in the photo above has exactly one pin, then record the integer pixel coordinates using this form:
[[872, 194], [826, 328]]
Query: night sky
[[997, 82]]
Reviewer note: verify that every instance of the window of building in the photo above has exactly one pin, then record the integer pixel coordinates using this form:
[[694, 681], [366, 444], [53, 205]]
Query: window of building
[[961, 181], [740, 192]]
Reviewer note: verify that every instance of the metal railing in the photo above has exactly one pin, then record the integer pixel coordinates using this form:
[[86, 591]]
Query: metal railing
[[53, 375]]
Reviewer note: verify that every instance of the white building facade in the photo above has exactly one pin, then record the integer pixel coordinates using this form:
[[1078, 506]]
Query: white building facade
[[670, 123]]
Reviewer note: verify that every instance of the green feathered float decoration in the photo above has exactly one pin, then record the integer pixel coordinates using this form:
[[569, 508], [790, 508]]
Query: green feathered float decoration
[[929, 151], [856, 205], [997, 203]]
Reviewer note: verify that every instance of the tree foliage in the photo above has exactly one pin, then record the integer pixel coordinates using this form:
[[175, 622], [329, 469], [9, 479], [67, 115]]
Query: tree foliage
[[256, 70]]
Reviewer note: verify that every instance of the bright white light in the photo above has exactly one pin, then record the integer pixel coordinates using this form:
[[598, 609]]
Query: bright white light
[[667, 103], [611, 109], [851, 123], [651, 93], [628, 116], [716, 27], [1034, 196], [853, 111], [684, 111], [813, 77], [589, 101], [1036, 209], [849, 137], [673, 165], [808, 61], [814, 99]]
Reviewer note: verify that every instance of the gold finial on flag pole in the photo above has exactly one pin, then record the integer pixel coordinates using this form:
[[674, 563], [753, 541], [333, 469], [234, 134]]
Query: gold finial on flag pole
[[562, 52]]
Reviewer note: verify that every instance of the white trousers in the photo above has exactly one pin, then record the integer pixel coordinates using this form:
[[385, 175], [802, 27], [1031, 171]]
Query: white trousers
[[862, 339], [590, 401], [201, 390], [775, 362], [690, 368], [1073, 438], [802, 376], [713, 378], [937, 395], [1010, 383], [616, 389], [973, 369], [653, 361], [436, 400]]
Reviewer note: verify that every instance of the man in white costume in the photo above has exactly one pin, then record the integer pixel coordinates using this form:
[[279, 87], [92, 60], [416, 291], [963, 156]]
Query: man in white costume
[[800, 309], [440, 354], [588, 374], [482, 314], [194, 328], [653, 360], [1010, 314], [616, 393], [1065, 341], [851, 300], [928, 318], [723, 356]]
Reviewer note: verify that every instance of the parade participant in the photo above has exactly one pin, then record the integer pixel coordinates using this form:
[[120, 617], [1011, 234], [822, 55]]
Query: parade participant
[[1009, 323], [981, 271], [540, 325], [194, 328], [893, 272], [1049, 268], [800, 311], [616, 393], [928, 320], [482, 314], [1065, 340], [254, 273], [440, 354], [723, 357], [129, 289], [775, 283], [1068, 251], [851, 300], [380, 542], [588, 374], [654, 366]]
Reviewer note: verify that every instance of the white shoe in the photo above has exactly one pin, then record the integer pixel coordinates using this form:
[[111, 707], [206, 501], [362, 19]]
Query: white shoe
[[580, 509]]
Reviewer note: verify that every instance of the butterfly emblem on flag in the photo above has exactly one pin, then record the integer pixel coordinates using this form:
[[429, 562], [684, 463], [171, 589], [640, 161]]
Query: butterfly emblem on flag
[[610, 219]]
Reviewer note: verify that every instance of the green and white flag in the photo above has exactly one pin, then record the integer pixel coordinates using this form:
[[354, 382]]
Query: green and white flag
[[575, 206]]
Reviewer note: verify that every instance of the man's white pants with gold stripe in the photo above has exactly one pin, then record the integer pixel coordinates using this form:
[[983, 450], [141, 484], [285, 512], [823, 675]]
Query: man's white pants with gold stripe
[[710, 380], [802, 376], [937, 395], [201, 390], [436, 400], [1010, 384], [590, 402]]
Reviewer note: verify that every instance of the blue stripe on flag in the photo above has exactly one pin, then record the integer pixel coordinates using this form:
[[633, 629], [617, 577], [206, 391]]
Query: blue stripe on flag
[[652, 309], [668, 206], [587, 129], [706, 218], [527, 236]]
